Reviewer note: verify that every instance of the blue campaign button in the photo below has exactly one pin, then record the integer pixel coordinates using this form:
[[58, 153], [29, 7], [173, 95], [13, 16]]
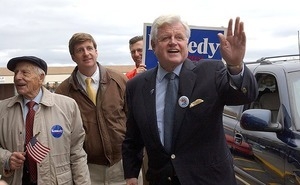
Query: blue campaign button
[[57, 131]]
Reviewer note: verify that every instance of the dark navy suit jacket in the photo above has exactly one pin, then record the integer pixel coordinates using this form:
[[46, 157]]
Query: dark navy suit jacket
[[199, 154]]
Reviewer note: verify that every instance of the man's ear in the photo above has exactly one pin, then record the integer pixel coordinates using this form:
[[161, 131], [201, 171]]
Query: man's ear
[[72, 56], [96, 53], [42, 78], [153, 45]]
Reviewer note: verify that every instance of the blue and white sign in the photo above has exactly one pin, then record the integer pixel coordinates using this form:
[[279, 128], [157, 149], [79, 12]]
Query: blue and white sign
[[203, 44]]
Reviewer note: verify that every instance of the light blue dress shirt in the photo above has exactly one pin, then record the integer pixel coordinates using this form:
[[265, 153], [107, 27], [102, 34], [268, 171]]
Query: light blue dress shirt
[[160, 93], [37, 100]]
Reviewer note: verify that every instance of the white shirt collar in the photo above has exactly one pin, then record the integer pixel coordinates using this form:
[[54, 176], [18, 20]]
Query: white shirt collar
[[81, 77]]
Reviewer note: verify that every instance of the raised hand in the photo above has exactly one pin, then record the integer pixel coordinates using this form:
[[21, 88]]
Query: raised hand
[[233, 46]]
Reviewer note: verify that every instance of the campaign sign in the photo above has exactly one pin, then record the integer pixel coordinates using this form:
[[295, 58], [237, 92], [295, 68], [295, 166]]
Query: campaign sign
[[203, 44]]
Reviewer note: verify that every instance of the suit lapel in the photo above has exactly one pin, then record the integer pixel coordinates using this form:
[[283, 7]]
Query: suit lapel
[[187, 79], [150, 103]]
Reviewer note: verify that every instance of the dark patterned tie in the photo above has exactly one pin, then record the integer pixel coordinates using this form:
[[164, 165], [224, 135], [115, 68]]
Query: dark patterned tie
[[170, 103], [29, 134]]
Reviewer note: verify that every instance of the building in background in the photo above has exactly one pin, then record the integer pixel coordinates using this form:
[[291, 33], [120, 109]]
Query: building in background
[[54, 77]]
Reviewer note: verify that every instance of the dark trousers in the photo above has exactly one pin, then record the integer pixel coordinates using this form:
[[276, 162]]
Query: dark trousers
[[174, 181], [26, 175]]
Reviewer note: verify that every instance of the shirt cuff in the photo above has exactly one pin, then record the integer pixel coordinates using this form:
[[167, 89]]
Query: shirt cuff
[[235, 81]]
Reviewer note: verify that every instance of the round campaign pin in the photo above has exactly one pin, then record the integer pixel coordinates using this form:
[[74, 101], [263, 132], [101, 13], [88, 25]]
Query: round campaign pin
[[57, 131], [183, 101]]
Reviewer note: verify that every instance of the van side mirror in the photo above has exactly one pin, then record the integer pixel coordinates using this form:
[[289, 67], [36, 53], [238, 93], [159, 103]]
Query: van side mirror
[[259, 120]]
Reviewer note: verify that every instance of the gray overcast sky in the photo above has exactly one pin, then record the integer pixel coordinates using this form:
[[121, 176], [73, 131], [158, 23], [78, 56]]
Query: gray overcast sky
[[44, 27]]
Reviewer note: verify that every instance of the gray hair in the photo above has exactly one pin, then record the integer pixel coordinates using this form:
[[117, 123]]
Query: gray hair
[[39, 71], [168, 19]]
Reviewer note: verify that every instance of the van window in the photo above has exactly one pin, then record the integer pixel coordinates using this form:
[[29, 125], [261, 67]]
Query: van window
[[268, 96]]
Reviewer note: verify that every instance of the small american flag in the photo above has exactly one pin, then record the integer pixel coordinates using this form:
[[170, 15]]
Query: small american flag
[[36, 150]]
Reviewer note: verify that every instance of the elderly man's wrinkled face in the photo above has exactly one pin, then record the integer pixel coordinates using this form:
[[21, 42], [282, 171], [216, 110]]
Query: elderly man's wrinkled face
[[170, 47], [27, 79]]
